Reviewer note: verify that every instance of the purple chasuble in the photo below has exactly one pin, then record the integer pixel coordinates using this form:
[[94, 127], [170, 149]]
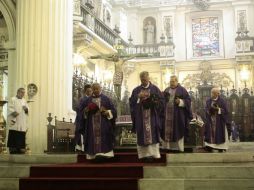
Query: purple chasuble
[[215, 123], [98, 129], [176, 119], [146, 119]]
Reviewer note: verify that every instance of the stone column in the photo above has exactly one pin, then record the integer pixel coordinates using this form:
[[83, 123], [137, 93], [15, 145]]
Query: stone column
[[44, 57]]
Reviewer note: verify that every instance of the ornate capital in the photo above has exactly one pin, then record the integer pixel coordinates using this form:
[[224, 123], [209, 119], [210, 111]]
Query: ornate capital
[[201, 4]]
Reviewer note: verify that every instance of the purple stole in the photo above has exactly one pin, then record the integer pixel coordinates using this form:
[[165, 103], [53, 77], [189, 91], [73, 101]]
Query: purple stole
[[96, 119], [169, 119], [147, 123], [147, 126]]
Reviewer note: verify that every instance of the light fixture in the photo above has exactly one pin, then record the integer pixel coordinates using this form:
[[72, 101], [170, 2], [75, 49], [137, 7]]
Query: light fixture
[[107, 76], [167, 69], [245, 74], [78, 60]]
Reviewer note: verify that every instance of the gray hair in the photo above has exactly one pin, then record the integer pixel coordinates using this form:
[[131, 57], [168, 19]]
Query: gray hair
[[144, 74], [215, 89], [174, 76], [96, 84]]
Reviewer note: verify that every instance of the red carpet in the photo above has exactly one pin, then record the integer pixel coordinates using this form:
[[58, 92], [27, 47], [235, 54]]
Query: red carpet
[[120, 173], [126, 157]]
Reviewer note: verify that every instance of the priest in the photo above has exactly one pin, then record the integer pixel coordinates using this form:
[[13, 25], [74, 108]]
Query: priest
[[177, 116], [146, 104], [216, 136], [99, 121]]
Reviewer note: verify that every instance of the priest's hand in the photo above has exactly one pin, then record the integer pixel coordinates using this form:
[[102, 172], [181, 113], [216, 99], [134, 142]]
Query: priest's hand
[[14, 114], [104, 111], [86, 109], [215, 107], [177, 101], [141, 95], [25, 109]]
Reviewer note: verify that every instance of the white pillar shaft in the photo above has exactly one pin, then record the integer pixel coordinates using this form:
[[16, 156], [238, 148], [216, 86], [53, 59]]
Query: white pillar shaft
[[44, 57]]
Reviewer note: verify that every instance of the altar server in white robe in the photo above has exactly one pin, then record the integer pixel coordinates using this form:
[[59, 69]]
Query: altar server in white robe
[[17, 123]]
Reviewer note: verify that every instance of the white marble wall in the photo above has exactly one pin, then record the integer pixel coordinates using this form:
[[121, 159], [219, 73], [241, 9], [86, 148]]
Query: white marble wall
[[44, 57], [182, 16], [182, 37]]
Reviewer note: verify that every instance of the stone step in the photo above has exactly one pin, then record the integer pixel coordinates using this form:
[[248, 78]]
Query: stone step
[[200, 172], [241, 147], [228, 157], [38, 158], [14, 171], [196, 184], [9, 183]]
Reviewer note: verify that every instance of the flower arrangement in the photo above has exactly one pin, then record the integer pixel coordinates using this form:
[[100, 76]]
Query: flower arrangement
[[92, 108]]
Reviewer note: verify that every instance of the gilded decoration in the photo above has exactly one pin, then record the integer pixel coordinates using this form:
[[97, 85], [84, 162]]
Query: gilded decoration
[[207, 77]]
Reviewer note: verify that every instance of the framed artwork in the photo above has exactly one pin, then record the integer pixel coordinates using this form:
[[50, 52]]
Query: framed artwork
[[205, 37], [241, 20], [168, 26]]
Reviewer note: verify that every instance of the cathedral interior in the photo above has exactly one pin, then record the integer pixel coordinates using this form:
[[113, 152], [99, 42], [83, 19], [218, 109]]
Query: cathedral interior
[[50, 53], [53, 48]]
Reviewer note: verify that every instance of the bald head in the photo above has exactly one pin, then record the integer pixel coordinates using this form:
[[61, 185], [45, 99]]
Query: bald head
[[96, 87], [215, 92]]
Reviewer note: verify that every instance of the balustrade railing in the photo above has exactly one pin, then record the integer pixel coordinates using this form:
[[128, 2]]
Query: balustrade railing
[[155, 50], [98, 26], [244, 43], [111, 36]]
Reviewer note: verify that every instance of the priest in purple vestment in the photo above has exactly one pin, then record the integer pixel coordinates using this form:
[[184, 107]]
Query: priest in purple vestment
[[146, 104], [216, 136], [98, 125], [79, 136], [177, 116]]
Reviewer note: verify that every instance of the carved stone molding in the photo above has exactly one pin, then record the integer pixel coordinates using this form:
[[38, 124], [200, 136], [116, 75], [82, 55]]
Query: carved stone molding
[[201, 4], [244, 58], [207, 77], [82, 41]]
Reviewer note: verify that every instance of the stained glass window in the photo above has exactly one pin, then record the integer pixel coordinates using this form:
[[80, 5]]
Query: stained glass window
[[205, 37]]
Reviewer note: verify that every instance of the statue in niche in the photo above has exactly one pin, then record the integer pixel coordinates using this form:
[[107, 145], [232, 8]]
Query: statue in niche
[[242, 23], [108, 17], [149, 32]]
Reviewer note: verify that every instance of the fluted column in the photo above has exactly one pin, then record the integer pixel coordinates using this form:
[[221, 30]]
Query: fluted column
[[44, 57]]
